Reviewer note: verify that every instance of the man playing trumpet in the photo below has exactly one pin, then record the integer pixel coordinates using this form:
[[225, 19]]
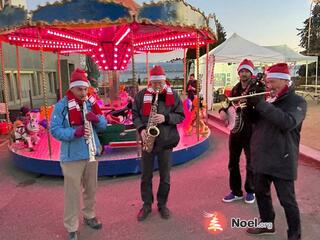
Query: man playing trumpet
[[275, 149], [67, 125]]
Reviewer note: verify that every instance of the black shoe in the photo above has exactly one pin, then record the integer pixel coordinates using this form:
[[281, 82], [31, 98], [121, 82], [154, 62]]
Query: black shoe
[[294, 237], [93, 223], [261, 231], [73, 236], [164, 212], [144, 213]]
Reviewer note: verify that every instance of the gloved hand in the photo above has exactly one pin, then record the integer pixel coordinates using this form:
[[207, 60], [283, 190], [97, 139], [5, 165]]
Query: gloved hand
[[92, 117], [253, 101], [79, 131]]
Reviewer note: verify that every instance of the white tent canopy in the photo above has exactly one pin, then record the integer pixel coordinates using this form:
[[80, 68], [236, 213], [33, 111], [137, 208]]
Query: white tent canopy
[[236, 48], [290, 55]]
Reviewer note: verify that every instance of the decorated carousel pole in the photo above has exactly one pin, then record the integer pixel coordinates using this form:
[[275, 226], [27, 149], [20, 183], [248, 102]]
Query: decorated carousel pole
[[184, 71], [19, 75], [207, 80], [59, 74], [45, 95], [198, 86], [147, 64], [133, 65], [4, 85], [139, 142]]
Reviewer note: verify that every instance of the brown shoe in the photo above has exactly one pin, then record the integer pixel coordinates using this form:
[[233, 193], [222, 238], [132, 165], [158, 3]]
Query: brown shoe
[[261, 231], [143, 213]]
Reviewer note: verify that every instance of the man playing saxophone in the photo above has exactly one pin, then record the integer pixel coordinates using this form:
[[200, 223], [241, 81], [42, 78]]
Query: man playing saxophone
[[75, 120], [157, 107]]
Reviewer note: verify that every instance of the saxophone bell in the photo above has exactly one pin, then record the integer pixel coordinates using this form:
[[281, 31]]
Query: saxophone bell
[[153, 131]]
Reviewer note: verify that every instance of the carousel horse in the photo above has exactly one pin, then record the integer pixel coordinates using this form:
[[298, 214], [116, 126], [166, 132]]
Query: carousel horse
[[20, 134], [33, 127], [203, 128]]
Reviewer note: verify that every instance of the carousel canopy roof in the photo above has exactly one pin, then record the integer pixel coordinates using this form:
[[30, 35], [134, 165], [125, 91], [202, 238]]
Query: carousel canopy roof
[[12, 16], [110, 31], [82, 13]]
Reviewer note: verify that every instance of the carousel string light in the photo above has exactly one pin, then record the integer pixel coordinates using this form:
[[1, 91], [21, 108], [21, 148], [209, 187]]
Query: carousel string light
[[70, 37]]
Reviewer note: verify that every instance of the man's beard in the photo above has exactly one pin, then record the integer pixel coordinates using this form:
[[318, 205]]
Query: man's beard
[[244, 79]]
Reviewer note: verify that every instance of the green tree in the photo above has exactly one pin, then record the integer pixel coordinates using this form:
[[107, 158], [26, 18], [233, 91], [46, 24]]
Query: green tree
[[314, 47]]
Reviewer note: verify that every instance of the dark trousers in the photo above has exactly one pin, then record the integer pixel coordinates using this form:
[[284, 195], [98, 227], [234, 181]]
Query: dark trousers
[[286, 195], [236, 144], [147, 164]]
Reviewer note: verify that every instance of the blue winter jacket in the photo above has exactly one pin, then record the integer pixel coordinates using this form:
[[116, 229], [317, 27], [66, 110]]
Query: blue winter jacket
[[72, 148]]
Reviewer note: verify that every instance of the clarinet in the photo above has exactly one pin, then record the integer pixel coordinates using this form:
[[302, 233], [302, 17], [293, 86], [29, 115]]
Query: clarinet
[[90, 140]]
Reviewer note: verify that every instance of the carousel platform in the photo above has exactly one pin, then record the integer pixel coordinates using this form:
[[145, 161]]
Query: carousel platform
[[114, 161]]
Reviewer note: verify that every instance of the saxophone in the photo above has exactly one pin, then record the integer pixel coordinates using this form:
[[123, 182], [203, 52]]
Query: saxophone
[[152, 130], [90, 140]]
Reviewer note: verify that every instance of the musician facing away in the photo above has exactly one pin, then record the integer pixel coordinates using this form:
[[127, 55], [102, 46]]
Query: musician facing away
[[80, 175], [275, 149], [240, 138], [167, 113]]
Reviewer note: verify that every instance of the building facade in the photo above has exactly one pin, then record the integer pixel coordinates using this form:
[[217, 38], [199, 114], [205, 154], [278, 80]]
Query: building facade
[[30, 76]]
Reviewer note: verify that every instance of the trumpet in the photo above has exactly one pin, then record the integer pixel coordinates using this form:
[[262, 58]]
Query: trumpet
[[231, 100]]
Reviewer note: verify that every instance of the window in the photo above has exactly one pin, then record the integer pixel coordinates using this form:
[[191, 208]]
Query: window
[[10, 88], [25, 84], [34, 84], [39, 82], [52, 82]]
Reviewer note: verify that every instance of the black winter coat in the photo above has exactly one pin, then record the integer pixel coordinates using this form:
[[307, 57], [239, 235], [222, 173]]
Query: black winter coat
[[169, 136], [276, 136]]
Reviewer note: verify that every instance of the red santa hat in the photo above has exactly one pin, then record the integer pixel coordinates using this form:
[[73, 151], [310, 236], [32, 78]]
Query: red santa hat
[[279, 70], [157, 73], [79, 78], [246, 64]]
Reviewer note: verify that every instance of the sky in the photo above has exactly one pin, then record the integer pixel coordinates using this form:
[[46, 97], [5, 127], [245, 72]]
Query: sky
[[272, 22]]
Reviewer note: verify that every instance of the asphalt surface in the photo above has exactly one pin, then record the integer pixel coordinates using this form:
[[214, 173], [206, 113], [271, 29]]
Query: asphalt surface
[[31, 206]]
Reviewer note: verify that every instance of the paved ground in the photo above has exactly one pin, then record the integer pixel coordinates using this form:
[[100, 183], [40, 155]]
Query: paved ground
[[31, 206], [311, 126]]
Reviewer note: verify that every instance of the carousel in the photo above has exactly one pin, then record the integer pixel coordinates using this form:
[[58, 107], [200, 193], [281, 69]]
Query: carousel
[[111, 33]]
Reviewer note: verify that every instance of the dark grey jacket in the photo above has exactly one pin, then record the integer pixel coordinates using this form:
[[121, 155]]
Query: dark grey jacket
[[276, 136], [169, 136]]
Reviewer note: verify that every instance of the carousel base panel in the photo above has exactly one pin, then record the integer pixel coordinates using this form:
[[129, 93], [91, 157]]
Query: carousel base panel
[[114, 161]]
